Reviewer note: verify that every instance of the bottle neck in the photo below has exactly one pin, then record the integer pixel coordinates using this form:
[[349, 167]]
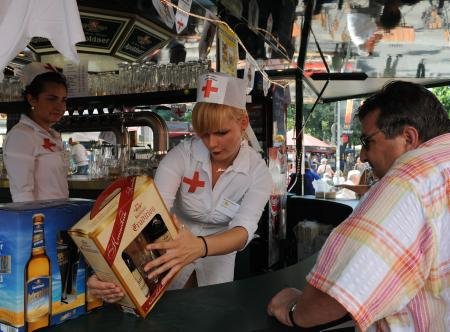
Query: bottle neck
[[38, 244]]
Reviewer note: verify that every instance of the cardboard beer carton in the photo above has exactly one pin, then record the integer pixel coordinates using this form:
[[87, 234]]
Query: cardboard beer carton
[[42, 273], [127, 216]]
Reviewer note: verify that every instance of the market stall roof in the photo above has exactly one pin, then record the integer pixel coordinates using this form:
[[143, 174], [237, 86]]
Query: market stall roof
[[309, 141]]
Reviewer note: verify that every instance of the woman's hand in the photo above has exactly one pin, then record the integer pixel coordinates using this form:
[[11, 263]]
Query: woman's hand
[[182, 250], [107, 291], [280, 304]]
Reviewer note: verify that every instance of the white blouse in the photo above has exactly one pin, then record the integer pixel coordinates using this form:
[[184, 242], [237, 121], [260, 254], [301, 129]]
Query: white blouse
[[35, 162], [238, 198]]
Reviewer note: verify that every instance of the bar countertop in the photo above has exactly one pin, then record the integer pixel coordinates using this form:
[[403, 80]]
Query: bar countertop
[[234, 306]]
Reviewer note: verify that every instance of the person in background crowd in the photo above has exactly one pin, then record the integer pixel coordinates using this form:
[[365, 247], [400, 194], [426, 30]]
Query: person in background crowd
[[325, 169], [217, 186], [314, 163], [360, 166], [33, 152], [338, 177], [308, 179], [353, 178], [80, 156], [387, 264], [349, 163]]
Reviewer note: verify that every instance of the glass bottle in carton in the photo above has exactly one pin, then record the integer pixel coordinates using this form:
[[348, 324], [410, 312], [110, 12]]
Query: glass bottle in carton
[[126, 217]]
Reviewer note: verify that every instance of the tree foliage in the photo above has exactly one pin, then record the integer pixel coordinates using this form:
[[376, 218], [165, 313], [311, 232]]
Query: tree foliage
[[319, 124], [443, 94]]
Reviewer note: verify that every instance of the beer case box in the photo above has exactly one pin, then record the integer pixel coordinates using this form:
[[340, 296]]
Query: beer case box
[[113, 237], [60, 296]]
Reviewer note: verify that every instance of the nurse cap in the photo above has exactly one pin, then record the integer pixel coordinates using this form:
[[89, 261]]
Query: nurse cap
[[219, 88], [34, 69]]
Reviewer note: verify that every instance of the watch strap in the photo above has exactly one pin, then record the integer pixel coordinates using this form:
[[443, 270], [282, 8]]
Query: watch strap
[[291, 313]]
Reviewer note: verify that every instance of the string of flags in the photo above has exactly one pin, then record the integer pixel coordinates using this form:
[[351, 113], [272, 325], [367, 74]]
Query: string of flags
[[228, 39]]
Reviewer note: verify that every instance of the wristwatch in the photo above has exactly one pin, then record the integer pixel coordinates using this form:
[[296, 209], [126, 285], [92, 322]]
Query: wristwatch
[[291, 313]]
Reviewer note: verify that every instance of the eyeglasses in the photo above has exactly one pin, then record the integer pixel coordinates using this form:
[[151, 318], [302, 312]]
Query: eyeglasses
[[365, 140]]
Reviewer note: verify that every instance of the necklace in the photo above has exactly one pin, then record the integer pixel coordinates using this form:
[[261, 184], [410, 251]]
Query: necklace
[[220, 170]]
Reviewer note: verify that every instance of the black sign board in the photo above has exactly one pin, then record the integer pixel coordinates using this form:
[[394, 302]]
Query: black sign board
[[140, 40], [40, 45], [101, 31]]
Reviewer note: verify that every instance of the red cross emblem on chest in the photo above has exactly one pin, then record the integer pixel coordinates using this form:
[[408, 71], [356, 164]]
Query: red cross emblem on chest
[[48, 145], [194, 182], [208, 88]]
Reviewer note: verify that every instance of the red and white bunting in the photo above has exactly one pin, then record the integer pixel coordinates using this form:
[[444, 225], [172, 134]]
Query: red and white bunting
[[178, 111], [266, 86], [181, 18], [208, 33], [165, 12], [249, 73], [253, 14]]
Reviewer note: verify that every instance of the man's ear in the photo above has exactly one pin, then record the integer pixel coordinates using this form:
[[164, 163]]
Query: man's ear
[[411, 136]]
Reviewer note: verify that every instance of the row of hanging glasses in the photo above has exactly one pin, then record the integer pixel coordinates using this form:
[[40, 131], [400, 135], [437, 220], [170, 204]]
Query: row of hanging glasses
[[147, 77], [131, 78]]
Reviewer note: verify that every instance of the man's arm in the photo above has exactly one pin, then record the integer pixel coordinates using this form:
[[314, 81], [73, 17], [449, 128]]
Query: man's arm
[[314, 307]]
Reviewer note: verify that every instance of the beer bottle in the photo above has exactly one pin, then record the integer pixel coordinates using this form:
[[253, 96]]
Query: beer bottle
[[38, 295]]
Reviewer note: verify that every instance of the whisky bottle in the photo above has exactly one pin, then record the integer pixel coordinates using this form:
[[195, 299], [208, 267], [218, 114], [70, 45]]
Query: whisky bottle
[[38, 295], [135, 272]]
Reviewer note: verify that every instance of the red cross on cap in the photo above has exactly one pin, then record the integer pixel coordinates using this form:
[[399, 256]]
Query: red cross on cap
[[48, 145], [194, 182], [208, 88], [180, 24]]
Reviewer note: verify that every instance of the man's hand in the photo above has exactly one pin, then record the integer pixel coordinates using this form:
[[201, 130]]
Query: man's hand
[[281, 303]]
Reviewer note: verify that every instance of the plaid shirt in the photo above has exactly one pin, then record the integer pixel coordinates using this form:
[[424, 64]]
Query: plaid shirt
[[388, 264]]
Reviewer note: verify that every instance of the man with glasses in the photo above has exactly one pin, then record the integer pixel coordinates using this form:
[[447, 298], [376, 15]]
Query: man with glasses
[[388, 263]]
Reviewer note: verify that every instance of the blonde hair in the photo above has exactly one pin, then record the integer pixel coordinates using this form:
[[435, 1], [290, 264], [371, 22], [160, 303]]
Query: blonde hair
[[209, 117]]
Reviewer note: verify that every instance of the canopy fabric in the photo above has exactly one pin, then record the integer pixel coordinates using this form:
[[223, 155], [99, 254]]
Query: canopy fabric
[[311, 143]]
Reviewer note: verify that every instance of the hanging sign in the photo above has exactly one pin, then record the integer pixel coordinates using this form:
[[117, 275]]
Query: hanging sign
[[228, 51], [181, 18], [165, 12]]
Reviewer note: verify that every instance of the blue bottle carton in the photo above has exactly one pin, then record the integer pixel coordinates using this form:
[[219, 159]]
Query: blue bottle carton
[[42, 273]]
